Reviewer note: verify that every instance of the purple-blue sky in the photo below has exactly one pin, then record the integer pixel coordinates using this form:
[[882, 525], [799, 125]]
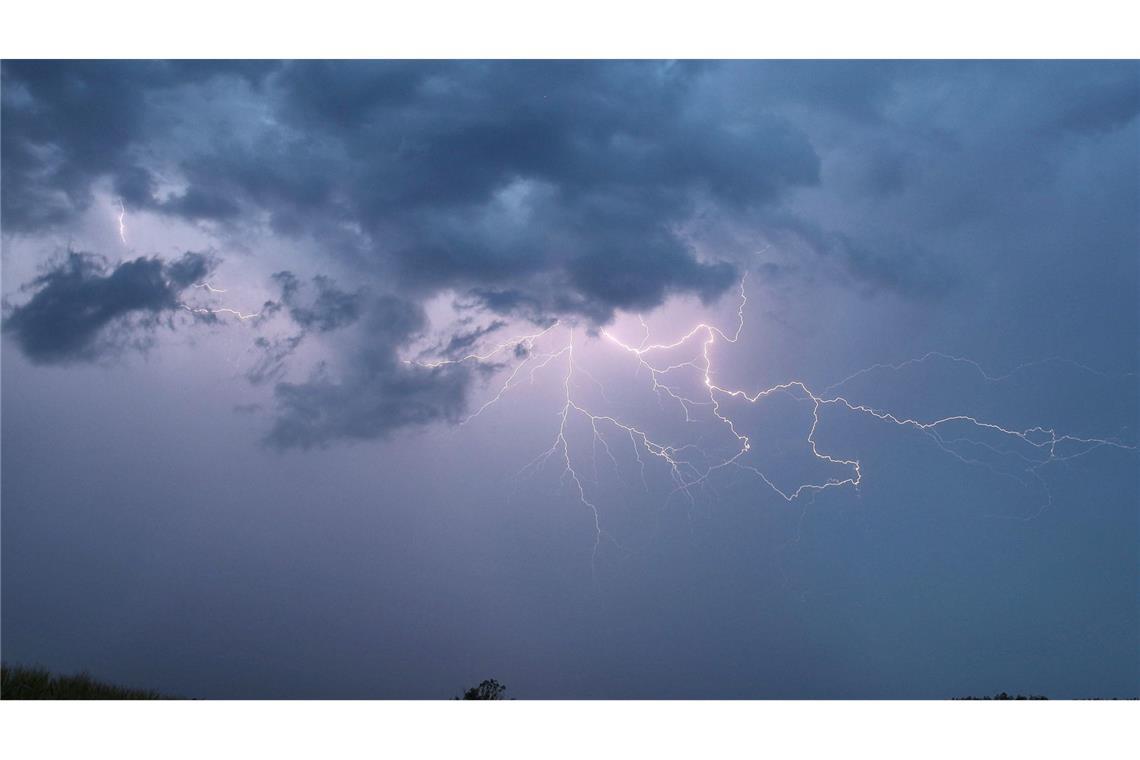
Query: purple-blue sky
[[239, 457]]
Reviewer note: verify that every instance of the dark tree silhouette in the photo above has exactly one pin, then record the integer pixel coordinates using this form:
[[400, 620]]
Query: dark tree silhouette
[[489, 689]]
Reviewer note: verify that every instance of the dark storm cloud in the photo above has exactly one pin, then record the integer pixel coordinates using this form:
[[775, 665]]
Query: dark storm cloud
[[540, 176], [68, 124], [938, 173], [563, 184], [575, 189], [557, 179], [76, 305], [376, 394], [330, 309]]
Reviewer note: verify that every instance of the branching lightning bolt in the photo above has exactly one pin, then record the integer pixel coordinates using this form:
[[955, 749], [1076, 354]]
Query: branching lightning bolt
[[691, 465]]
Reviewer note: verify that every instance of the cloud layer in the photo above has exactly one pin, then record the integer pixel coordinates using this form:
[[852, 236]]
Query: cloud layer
[[542, 190]]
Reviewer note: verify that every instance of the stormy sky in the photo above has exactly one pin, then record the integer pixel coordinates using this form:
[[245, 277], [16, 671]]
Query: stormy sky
[[254, 312]]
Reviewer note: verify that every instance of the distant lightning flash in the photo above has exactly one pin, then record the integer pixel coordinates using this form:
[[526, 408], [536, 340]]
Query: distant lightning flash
[[220, 310], [214, 311], [122, 222], [690, 465]]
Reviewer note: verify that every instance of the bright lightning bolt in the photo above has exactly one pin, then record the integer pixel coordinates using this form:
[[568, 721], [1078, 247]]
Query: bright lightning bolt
[[214, 311], [122, 222], [220, 310], [690, 465]]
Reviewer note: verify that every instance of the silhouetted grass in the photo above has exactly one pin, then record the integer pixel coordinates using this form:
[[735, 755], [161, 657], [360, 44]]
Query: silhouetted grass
[[37, 683]]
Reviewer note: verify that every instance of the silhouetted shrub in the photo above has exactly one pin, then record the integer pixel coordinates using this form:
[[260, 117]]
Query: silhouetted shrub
[[489, 689]]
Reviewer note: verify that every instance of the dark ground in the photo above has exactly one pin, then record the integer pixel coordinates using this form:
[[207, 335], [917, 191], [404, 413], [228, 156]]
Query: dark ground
[[37, 683]]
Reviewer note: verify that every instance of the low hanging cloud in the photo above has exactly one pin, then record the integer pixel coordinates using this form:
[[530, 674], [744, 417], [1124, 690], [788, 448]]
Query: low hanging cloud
[[83, 308], [377, 393], [330, 309]]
